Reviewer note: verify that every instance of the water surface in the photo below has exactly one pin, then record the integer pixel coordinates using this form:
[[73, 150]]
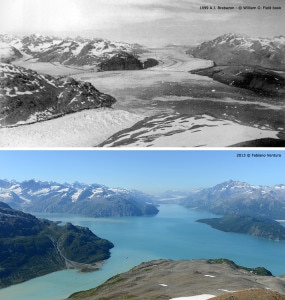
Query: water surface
[[172, 234]]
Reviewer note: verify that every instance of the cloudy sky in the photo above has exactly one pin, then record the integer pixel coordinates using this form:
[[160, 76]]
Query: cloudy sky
[[150, 22]]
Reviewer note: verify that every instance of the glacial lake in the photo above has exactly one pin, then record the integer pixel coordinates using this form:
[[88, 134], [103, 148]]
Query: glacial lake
[[173, 234]]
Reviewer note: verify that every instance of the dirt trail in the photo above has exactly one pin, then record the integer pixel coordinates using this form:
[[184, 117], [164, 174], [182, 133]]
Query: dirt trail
[[69, 264]]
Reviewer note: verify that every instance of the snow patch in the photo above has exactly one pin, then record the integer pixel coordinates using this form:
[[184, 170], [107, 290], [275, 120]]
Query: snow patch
[[75, 196], [42, 191], [226, 291], [198, 297], [204, 130]]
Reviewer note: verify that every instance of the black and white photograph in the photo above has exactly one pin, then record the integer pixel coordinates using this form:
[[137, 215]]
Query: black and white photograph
[[142, 149], [142, 73]]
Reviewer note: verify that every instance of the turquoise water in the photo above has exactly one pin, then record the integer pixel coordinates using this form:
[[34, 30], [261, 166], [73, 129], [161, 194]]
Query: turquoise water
[[173, 234]]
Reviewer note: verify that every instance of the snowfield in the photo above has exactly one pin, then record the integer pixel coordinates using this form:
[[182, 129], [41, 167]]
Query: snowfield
[[183, 131], [83, 129]]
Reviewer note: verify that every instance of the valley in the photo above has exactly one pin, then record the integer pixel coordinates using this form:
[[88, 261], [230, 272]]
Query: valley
[[167, 105], [142, 228], [172, 234]]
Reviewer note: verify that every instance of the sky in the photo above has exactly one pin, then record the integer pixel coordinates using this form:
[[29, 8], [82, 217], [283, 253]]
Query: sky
[[150, 171], [149, 22]]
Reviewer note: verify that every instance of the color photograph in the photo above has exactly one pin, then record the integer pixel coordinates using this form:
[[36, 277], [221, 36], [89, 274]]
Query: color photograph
[[142, 225]]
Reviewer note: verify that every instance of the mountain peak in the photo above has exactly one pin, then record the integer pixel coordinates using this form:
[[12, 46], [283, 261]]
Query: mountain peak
[[241, 198], [233, 183], [234, 36], [233, 49]]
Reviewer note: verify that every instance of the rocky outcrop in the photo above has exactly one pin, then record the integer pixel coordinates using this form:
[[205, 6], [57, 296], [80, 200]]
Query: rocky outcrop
[[251, 294], [235, 49], [257, 79], [121, 61], [167, 279], [27, 97], [149, 63], [31, 247]]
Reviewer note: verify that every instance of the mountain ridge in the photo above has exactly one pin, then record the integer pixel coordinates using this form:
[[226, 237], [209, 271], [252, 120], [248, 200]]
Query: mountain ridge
[[32, 247], [98, 52], [168, 279], [94, 200], [259, 227], [241, 61], [28, 97], [237, 49], [240, 198]]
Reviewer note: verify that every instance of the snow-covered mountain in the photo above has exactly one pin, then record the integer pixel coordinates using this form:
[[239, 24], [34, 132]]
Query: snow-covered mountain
[[93, 200], [27, 97], [8, 53], [78, 51], [236, 49], [235, 197]]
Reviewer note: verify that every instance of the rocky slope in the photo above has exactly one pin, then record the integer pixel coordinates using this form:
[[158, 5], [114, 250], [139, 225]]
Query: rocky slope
[[235, 49], [251, 294], [92, 200], [27, 96], [8, 53], [31, 247], [121, 61], [166, 279], [240, 198], [100, 53], [259, 227], [245, 62], [257, 79]]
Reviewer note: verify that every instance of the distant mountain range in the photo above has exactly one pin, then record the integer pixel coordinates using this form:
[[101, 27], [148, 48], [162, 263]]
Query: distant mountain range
[[104, 54], [239, 198], [245, 62], [27, 96], [236, 49], [31, 247], [92, 200]]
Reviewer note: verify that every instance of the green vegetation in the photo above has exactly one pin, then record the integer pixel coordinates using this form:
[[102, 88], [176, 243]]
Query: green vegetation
[[261, 227], [261, 271], [30, 247], [88, 293]]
